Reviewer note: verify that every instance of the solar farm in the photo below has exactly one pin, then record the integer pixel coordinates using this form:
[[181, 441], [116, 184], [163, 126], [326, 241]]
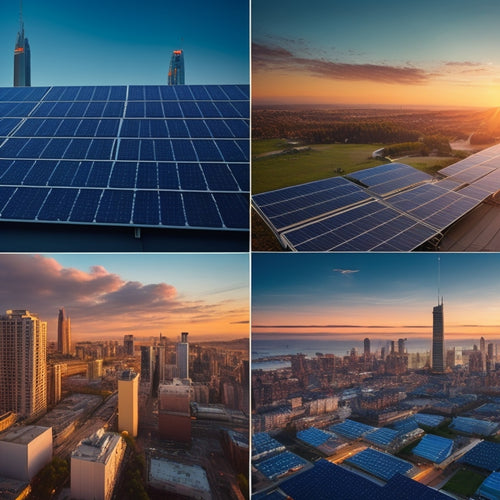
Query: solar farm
[[434, 448], [474, 426], [391, 207], [160, 157]]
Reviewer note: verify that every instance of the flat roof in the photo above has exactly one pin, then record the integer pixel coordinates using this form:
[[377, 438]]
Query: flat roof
[[24, 435], [166, 471], [98, 447]]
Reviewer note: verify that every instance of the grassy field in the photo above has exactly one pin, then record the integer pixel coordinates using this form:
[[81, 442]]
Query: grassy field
[[320, 161], [464, 482]]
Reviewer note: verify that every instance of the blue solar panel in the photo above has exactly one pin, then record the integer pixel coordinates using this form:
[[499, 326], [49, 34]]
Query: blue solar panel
[[122, 139], [352, 429], [490, 487], [485, 455], [263, 443], [313, 436], [474, 426], [434, 448], [382, 437], [280, 464], [379, 464]]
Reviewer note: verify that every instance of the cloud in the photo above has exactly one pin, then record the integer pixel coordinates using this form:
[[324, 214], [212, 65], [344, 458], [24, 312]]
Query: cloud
[[346, 271], [100, 302], [375, 327], [273, 58]]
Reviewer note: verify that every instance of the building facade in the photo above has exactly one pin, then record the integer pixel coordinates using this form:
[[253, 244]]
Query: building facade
[[128, 344], [95, 465], [128, 402], [22, 58], [174, 413], [176, 68], [23, 363], [183, 356], [63, 333], [438, 339]]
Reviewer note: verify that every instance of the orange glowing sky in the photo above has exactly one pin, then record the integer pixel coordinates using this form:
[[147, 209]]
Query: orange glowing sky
[[377, 295], [361, 53], [108, 296]]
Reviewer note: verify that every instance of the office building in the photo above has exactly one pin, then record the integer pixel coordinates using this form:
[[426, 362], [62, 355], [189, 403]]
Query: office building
[[366, 344], [28, 449], [174, 415], [94, 370], [22, 57], [54, 381], [438, 339], [23, 363], [63, 333], [147, 363], [183, 356], [176, 69], [128, 344], [128, 402], [95, 465]]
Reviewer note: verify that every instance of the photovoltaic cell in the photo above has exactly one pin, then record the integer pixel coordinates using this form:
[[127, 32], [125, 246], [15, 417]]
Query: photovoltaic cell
[[137, 155]]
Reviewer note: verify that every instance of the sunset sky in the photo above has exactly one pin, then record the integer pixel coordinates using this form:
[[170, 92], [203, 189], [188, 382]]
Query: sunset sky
[[357, 295], [387, 52], [113, 295]]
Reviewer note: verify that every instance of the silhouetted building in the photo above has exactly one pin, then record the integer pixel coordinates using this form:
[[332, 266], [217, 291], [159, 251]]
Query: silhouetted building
[[63, 333], [438, 339], [22, 57], [54, 387], [147, 363], [366, 343], [176, 69], [23, 363], [128, 344]]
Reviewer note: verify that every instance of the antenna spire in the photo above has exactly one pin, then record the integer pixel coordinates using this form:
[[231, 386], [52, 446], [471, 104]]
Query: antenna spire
[[439, 277], [21, 24]]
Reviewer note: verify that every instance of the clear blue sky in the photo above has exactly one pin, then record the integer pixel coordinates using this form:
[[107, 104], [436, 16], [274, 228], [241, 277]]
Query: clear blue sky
[[381, 292], [113, 42]]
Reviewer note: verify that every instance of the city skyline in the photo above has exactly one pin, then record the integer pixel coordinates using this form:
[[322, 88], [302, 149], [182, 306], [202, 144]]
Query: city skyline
[[127, 43], [355, 53], [207, 295], [381, 296]]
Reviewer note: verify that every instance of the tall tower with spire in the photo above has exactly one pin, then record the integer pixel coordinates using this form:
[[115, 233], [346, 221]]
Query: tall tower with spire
[[176, 69], [438, 331], [63, 333], [22, 56]]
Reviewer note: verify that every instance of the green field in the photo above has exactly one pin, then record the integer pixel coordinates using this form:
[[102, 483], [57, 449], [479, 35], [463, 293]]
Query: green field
[[464, 482], [319, 162]]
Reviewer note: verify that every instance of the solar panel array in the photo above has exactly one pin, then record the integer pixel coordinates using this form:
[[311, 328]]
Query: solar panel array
[[314, 437], [327, 480], [490, 487], [474, 426], [280, 464], [379, 464], [382, 437], [428, 419], [352, 429], [485, 455], [391, 207], [263, 443], [162, 156], [434, 448]]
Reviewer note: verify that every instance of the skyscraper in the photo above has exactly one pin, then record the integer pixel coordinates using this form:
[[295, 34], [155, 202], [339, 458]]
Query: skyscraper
[[22, 57], [438, 339], [23, 363], [176, 69], [366, 344], [128, 402], [63, 333], [183, 356]]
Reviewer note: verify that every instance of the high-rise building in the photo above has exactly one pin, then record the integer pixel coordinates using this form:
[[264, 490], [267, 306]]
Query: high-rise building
[[438, 339], [174, 415], [22, 57], [183, 356], [63, 333], [147, 363], [176, 69], [23, 363], [54, 384], [401, 346], [128, 344], [366, 344], [128, 402]]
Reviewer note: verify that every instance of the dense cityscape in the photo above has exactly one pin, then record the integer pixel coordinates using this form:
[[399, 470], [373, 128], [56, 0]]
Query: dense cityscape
[[155, 416], [381, 422]]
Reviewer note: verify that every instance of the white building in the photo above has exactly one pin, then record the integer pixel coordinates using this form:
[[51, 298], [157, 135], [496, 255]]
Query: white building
[[95, 465], [23, 363], [25, 451], [128, 402]]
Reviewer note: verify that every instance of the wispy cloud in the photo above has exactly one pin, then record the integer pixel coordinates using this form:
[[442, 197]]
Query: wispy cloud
[[275, 57], [346, 271]]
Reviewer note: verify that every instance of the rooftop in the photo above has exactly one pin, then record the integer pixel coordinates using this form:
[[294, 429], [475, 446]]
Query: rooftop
[[166, 471], [24, 435], [98, 447]]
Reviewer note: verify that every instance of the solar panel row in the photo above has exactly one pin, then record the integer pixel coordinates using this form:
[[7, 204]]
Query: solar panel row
[[379, 464]]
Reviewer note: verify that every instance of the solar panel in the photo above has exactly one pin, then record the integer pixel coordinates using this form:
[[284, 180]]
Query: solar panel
[[280, 464], [434, 448], [474, 426], [126, 155], [490, 487], [485, 455], [382, 437], [379, 464], [352, 429], [313, 436]]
